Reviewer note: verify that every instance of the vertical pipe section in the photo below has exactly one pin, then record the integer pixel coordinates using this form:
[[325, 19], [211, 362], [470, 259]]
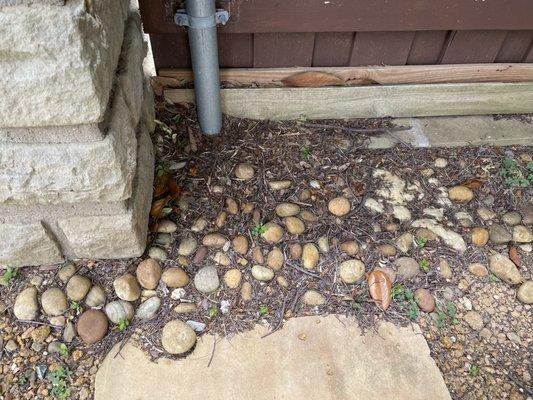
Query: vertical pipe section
[[204, 56]]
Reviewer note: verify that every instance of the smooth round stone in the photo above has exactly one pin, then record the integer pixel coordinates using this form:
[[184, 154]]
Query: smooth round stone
[[407, 267], [287, 210], [295, 251], [425, 300], [339, 206], [275, 259], [480, 236], [247, 292], [163, 240], [478, 269], [499, 235], [166, 226], [240, 244], [158, 254], [221, 259], [313, 298], [257, 255], [232, 206], [200, 255], [175, 277], [127, 287], [350, 271], [232, 278], [92, 326], [261, 273], [474, 320], [404, 242], [350, 247], [525, 292], [512, 218], [148, 273], [460, 194], [185, 308], [96, 297], [308, 216], [279, 185], [77, 287], [66, 272], [310, 256], [440, 162], [69, 333], [423, 233], [148, 309], [485, 214], [282, 281], [527, 213], [119, 310], [294, 225], [206, 280], [214, 240], [244, 171], [505, 269], [522, 234], [221, 219], [188, 246], [387, 250], [177, 337], [54, 302], [26, 306], [273, 232], [323, 244]]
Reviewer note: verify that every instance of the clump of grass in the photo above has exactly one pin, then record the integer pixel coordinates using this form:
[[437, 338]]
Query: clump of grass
[[306, 153], [424, 264], [514, 176], [8, 276]]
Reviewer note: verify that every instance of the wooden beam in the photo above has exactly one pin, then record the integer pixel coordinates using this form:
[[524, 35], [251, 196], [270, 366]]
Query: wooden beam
[[372, 101], [382, 75]]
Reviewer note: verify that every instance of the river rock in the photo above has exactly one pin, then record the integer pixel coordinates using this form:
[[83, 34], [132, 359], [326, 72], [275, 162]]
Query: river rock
[[206, 280], [187, 246], [279, 185], [77, 287], [214, 240], [313, 298], [119, 310], [148, 273], [92, 326], [294, 225], [246, 292], [148, 309], [404, 242], [273, 232], [261, 273], [69, 333], [478, 270], [387, 250], [522, 234], [66, 272], [177, 337], [287, 210], [175, 277], [474, 320], [295, 251], [350, 271], [511, 218], [339, 206], [26, 306], [527, 214], [240, 244], [460, 194], [499, 235], [323, 244], [158, 254], [232, 206], [185, 308], [425, 300], [127, 287], [275, 259], [525, 292], [96, 297], [40, 333], [407, 267], [54, 302], [350, 247], [199, 225], [480, 236], [444, 269], [166, 226], [505, 269], [232, 278], [308, 216], [310, 256]]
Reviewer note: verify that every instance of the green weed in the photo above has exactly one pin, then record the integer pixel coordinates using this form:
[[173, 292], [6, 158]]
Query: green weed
[[8, 276], [306, 153], [74, 305], [63, 349], [449, 315], [263, 310], [212, 312], [123, 324], [406, 299], [60, 382], [514, 176], [421, 242], [424, 264], [473, 371], [259, 229]]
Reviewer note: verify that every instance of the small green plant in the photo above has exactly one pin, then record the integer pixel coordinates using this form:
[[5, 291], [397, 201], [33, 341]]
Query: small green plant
[[212, 312], [357, 306], [263, 310], [302, 118], [63, 349], [259, 229], [514, 176], [23, 379], [160, 169], [76, 306], [406, 299], [8, 275], [447, 315], [493, 278], [421, 242], [424, 264], [123, 324], [306, 153], [60, 378], [473, 371]]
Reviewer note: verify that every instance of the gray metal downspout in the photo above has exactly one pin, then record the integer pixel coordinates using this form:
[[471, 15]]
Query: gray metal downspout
[[201, 17]]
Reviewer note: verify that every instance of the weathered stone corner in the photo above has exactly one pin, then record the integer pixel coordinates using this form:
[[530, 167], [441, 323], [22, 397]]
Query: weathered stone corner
[[76, 160]]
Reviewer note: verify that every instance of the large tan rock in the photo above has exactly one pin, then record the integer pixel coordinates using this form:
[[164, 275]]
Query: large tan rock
[[57, 62], [310, 358]]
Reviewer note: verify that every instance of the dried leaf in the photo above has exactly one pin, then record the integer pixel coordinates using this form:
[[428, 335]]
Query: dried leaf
[[359, 188], [157, 207], [380, 287], [159, 83], [313, 79], [514, 256], [473, 184]]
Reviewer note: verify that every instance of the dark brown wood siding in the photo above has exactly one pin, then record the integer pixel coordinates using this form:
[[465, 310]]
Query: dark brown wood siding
[[318, 33]]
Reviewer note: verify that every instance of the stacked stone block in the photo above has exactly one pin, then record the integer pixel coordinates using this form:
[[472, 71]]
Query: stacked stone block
[[76, 161]]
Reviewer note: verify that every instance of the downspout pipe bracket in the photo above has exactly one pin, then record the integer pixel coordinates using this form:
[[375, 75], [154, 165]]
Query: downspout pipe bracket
[[181, 18]]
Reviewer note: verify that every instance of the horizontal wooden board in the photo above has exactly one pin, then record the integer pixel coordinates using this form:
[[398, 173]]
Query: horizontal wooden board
[[262, 16], [382, 75], [372, 101]]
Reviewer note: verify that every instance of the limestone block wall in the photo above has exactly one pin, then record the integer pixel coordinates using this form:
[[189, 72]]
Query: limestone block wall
[[76, 161]]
